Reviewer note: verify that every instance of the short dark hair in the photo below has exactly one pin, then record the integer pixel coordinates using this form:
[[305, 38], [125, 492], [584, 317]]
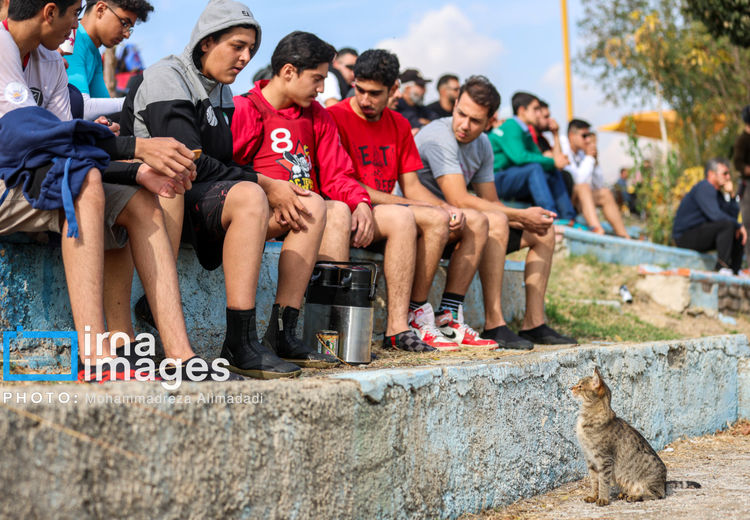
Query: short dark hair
[[445, 78], [482, 92], [522, 99], [198, 52], [543, 104], [347, 50], [577, 124], [377, 65], [20, 10], [141, 8], [302, 50], [714, 163]]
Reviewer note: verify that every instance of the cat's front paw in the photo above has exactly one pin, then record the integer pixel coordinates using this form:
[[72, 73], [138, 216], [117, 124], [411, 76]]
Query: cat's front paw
[[590, 500], [634, 499], [622, 496], [602, 502]]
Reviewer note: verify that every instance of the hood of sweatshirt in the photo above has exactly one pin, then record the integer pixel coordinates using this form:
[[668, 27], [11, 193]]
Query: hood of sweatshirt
[[160, 81]]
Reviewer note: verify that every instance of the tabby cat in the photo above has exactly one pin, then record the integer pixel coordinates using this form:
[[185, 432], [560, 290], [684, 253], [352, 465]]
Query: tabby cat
[[614, 451]]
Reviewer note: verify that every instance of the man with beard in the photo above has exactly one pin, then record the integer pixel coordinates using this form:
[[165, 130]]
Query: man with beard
[[411, 104], [447, 87]]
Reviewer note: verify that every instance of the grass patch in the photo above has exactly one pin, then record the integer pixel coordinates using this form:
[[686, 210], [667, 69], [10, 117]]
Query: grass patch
[[589, 322]]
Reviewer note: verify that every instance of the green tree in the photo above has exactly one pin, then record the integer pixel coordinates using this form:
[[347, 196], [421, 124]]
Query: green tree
[[648, 49], [729, 18]]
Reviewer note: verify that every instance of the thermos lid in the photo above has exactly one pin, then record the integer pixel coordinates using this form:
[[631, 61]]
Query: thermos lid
[[325, 275]]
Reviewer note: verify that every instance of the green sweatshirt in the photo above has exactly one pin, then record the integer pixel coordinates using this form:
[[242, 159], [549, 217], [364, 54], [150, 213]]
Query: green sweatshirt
[[514, 147]]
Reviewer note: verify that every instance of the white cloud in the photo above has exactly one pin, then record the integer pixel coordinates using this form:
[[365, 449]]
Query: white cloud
[[443, 41]]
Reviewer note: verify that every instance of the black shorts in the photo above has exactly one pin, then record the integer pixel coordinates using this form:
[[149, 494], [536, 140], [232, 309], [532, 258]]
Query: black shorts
[[204, 205], [514, 244]]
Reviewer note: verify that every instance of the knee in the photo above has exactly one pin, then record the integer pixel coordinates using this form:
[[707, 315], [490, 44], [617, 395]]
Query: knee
[[435, 223], [477, 222], [498, 223], [395, 220], [338, 215], [92, 190], [316, 206], [143, 207], [247, 199], [583, 189]]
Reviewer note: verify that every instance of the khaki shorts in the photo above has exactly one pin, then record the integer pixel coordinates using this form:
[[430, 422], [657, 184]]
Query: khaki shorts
[[16, 214]]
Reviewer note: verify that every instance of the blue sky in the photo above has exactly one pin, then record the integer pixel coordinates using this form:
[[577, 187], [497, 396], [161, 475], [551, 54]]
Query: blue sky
[[516, 43]]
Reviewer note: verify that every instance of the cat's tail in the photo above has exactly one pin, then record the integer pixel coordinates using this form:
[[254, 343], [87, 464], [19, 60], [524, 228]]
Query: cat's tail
[[682, 484]]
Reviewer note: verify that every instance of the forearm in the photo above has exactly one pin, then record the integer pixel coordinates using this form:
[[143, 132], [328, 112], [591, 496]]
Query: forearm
[[120, 172], [419, 193], [95, 107]]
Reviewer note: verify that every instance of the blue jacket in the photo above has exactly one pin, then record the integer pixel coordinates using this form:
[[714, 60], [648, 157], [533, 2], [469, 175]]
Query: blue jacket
[[702, 204], [32, 137]]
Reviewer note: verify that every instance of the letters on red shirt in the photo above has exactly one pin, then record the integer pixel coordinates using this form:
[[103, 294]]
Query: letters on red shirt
[[381, 150]]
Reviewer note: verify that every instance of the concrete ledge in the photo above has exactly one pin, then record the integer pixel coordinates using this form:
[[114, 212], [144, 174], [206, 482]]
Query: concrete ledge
[[615, 250], [33, 295], [679, 289], [435, 441]]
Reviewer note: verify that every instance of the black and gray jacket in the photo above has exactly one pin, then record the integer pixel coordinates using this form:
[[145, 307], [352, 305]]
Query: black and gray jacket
[[176, 100]]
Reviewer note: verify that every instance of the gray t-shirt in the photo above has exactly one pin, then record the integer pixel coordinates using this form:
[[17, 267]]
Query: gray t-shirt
[[442, 155]]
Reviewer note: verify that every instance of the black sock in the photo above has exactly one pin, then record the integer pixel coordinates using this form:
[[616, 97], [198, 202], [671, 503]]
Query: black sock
[[502, 333], [451, 301], [413, 306]]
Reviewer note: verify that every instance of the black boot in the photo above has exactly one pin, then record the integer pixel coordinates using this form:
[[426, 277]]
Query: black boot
[[245, 353], [280, 337]]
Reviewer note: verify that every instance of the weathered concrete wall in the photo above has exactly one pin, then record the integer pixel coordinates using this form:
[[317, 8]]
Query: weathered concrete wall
[[33, 294], [425, 442], [615, 250]]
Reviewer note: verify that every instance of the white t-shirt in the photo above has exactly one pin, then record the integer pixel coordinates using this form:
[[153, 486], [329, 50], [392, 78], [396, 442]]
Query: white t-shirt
[[583, 168], [42, 83], [330, 90]]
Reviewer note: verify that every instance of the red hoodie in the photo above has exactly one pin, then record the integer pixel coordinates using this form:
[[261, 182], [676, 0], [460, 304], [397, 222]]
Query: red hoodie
[[301, 145]]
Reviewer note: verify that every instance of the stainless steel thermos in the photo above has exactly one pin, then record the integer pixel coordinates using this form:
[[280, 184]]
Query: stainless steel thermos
[[340, 297]]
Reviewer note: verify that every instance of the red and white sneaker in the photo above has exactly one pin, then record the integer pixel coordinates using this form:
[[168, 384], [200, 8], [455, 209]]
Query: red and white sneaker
[[455, 329], [422, 322]]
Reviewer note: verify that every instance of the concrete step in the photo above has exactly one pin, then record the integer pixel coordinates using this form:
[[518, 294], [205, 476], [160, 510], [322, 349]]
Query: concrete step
[[616, 250], [33, 295], [435, 441]]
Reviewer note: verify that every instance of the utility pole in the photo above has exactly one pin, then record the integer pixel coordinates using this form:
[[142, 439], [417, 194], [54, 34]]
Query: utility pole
[[566, 57]]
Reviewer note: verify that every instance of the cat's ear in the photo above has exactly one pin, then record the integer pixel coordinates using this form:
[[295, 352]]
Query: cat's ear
[[597, 380]]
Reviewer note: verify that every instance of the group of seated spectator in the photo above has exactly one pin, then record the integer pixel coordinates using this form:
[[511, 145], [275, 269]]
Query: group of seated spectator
[[190, 162]]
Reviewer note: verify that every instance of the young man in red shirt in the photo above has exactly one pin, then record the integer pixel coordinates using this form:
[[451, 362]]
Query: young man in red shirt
[[281, 130], [383, 151]]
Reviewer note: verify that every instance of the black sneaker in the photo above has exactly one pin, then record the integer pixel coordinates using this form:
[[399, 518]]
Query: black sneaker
[[246, 355], [197, 375], [407, 341], [506, 338], [280, 338], [544, 335], [142, 311]]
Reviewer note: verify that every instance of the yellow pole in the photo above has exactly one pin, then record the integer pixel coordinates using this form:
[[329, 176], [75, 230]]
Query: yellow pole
[[566, 58]]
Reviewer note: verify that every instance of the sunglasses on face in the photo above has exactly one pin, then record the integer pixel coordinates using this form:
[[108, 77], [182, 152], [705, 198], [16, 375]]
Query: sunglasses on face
[[350, 67]]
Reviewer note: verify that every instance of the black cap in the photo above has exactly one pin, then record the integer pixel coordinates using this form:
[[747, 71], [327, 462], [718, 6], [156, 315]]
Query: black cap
[[413, 75]]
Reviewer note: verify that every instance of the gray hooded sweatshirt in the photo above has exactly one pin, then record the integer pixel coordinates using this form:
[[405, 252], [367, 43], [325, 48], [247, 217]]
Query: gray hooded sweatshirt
[[176, 100]]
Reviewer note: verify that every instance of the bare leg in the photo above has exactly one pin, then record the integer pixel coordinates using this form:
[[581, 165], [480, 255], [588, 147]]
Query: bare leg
[[604, 199], [468, 253], [583, 199], [432, 230], [299, 252], [245, 218], [335, 244], [83, 259], [118, 281], [536, 275], [395, 224], [154, 260], [174, 214], [492, 267]]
